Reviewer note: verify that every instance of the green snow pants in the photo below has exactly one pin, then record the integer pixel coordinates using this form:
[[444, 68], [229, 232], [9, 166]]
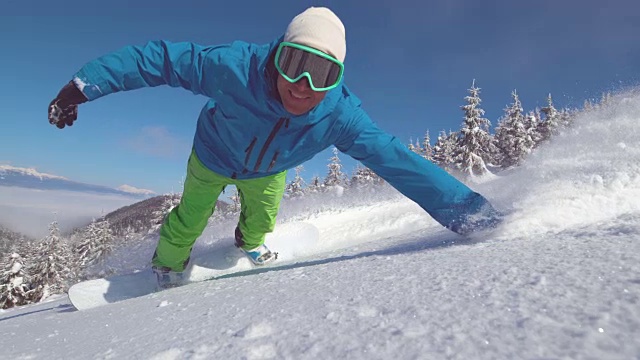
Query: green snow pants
[[260, 200]]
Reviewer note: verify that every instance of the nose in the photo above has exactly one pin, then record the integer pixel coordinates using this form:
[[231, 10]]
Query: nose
[[302, 84]]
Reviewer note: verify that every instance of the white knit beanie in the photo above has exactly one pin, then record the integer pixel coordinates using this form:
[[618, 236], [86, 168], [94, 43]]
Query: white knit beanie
[[319, 28]]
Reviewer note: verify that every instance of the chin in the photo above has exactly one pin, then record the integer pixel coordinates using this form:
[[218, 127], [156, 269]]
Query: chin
[[296, 111]]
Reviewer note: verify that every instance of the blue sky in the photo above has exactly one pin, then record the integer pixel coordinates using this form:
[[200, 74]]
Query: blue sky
[[411, 62]]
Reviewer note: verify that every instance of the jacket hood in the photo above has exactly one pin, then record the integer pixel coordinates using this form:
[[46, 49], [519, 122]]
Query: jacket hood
[[268, 68]]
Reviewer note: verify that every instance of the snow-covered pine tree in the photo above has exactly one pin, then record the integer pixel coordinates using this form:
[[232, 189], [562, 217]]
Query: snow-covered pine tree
[[9, 241], [96, 244], [52, 265], [427, 150], [475, 142], [549, 126], [532, 127], [15, 287], [415, 147], [169, 202], [295, 189], [512, 141], [363, 177], [444, 151], [315, 186], [335, 176], [566, 118], [439, 157], [411, 147]]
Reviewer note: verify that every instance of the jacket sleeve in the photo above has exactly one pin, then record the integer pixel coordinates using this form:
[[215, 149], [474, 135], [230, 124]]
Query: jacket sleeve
[[193, 67], [446, 199]]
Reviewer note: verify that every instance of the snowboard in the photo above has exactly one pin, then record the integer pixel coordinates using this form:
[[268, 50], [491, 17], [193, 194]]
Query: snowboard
[[291, 241]]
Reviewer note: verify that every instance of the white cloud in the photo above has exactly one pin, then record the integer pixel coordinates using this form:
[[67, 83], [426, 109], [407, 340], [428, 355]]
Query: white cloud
[[159, 142], [30, 211]]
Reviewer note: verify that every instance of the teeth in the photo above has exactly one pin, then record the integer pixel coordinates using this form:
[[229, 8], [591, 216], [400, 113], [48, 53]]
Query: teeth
[[297, 96]]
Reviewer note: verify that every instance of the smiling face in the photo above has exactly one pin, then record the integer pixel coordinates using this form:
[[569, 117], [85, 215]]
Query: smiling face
[[298, 98]]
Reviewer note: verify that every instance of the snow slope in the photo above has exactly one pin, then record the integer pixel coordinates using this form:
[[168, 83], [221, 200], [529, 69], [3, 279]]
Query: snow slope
[[560, 278]]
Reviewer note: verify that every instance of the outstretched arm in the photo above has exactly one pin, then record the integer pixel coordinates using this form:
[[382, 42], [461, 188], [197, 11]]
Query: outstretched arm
[[187, 65], [184, 64], [447, 200]]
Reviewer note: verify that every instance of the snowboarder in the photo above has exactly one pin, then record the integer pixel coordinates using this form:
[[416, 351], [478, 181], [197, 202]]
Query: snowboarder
[[271, 108]]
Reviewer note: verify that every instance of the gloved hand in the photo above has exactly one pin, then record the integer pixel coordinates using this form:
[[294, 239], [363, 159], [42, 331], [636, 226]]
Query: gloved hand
[[478, 215], [63, 110]]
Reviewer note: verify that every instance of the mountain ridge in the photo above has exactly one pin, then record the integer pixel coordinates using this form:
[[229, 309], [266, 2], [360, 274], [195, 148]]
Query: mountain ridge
[[33, 179]]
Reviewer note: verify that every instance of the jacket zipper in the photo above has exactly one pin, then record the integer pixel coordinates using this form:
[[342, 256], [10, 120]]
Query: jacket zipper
[[264, 149], [273, 160], [249, 149]]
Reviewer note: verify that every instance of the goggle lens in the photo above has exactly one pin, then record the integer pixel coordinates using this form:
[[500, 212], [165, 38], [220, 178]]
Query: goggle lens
[[294, 61]]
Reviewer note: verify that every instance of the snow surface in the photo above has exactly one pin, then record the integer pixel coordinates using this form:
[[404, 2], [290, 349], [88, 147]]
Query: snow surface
[[559, 279]]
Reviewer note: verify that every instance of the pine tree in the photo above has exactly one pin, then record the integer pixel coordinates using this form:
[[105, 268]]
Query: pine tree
[[532, 126], [315, 186], [169, 202], [97, 243], [411, 147], [52, 269], [335, 176], [415, 147], [550, 125], [364, 177], [474, 143], [295, 189], [512, 140], [566, 118], [9, 241], [444, 151], [15, 288], [427, 150]]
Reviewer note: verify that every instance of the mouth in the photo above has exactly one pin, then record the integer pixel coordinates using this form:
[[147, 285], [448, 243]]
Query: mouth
[[298, 96]]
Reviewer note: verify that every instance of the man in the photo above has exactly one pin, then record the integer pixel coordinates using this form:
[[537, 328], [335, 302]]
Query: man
[[271, 108]]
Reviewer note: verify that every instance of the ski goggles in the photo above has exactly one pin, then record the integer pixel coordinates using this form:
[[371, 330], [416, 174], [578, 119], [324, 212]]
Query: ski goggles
[[294, 61]]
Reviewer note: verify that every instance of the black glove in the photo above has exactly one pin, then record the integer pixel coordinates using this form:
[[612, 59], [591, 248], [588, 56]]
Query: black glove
[[63, 110]]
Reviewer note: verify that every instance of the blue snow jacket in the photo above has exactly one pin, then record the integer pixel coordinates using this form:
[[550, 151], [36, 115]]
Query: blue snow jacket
[[244, 131]]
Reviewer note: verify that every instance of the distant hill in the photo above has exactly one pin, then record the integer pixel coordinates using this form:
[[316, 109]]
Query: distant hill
[[145, 215], [31, 178]]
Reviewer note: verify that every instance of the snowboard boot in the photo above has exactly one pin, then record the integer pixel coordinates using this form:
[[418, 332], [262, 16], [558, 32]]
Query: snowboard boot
[[260, 255], [167, 278]]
